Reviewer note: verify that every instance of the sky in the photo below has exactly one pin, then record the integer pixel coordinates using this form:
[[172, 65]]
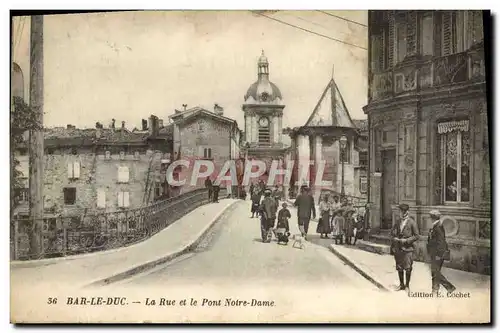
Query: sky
[[129, 65]]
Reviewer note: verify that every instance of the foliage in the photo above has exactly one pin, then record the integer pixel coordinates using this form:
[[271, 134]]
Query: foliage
[[22, 119]]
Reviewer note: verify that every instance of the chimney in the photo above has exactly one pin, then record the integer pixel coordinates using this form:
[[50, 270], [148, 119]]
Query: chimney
[[153, 125], [144, 125], [218, 110], [184, 106], [123, 125], [113, 123], [69, 126]]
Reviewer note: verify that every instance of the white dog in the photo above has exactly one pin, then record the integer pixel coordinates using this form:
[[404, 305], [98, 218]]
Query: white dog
[[298, 241]]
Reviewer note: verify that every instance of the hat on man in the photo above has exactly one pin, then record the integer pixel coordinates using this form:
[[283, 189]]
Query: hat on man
[[267, 191], [404, 207], [435, 213]]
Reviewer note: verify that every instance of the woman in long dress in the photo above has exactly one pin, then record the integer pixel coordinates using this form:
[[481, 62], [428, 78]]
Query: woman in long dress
[[324, 221]]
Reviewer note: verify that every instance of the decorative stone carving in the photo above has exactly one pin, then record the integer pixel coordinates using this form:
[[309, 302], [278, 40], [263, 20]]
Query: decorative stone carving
[[450, 69], [382, 85], [405, 80], [383, 118], [409, 161]]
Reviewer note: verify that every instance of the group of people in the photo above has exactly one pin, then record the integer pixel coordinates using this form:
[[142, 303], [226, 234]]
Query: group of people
[[404, 234], [265, 205], [339, 219]]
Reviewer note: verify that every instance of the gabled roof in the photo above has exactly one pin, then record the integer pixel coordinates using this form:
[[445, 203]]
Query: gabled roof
[[197, 111], [330, 109]]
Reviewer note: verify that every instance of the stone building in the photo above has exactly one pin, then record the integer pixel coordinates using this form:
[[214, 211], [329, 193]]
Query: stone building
[[428, 127], [320, 140], [96, 170], [263, 111], [202, 134]]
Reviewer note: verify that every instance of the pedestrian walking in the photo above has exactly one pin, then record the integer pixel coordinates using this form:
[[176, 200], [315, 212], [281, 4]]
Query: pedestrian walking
[[268, 215], [215, 194], [438, 251], [305, 207], [325, 217], [403, 236], [359, 228], [252, 188], [255, 204], [208, 185]]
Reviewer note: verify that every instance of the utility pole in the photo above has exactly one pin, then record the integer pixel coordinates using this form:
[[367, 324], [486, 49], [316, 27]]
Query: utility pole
[[36, 154]]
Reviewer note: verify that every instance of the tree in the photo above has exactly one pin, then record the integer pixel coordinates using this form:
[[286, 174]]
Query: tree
[[22, 119]]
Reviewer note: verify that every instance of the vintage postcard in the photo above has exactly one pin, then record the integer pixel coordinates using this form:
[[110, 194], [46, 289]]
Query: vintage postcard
[[276, 166]]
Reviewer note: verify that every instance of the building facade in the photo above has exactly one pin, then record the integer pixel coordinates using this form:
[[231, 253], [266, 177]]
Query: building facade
[[428, 127], [200, 134]]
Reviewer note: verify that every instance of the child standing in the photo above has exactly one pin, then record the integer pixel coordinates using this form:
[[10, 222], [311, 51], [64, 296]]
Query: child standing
[[283, 228], [338, 223]]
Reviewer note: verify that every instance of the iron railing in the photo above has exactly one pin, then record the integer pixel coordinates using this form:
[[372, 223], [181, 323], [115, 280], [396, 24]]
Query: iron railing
[[70, 235]]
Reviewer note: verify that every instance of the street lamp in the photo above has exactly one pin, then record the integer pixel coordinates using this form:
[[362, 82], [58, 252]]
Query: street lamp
[[343, 145]]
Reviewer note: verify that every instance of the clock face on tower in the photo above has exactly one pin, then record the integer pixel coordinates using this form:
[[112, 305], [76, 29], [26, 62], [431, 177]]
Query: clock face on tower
[[264, 122]]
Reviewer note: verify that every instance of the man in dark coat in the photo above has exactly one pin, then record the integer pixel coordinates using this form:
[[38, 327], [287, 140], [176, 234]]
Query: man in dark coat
[[216, 189], [403, 234], [208, 184], [305, 206], [437, 248], [268, 215], [255, 203]]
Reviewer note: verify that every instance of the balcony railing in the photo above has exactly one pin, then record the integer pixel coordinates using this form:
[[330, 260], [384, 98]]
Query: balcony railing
[[69, 235], [419, 75]]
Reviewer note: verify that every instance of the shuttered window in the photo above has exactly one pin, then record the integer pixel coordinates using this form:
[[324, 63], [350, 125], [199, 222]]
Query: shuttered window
[[123, 174], [74, 170], [101, 198], [449, 33], [401, 41], [123, 199]]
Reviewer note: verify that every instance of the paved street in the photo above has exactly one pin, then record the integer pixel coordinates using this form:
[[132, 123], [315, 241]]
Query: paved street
[[233, 252]]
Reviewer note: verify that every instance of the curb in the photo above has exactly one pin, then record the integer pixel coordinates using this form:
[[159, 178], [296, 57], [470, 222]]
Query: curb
[[169, 257], [353, 265]]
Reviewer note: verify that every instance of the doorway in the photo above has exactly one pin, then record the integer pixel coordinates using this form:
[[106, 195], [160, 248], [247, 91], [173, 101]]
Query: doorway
[[388, 186]]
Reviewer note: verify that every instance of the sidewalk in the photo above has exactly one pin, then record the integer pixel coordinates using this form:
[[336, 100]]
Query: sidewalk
[[380, 270], [103, 267]]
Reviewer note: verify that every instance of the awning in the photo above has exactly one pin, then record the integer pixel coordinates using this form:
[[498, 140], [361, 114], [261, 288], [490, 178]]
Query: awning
[[450, 126]]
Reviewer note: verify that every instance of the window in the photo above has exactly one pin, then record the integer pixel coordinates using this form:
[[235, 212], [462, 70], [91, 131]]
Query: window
[[107, 155], [377, 53], [449, 32], [22, 194], [400, 43], [363, 184], [455, 157], [123, 199], [201, 126], [363, 159], [427, 35], [101, 198], [123, 174], [137, 156], [122, 155], [74, 170], [157, 191], [207, 153], [69, 195]]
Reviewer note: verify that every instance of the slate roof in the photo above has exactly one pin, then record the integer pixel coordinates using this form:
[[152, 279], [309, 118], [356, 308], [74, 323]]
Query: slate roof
[[77, 136], [329, 112]]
